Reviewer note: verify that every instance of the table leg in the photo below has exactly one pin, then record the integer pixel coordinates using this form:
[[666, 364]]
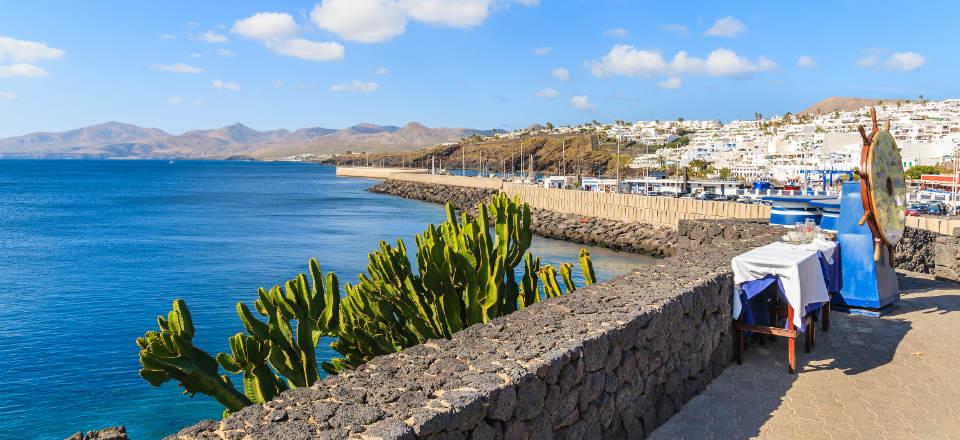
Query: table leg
[[826, 316], [808, 334], [791, 343], [740, 336]]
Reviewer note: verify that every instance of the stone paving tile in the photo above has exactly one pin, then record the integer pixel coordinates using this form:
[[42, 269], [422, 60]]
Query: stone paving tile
[[896, 377]]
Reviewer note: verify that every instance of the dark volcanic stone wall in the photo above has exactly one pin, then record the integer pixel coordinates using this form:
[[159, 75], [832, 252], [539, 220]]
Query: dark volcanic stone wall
[[915, 252], [698, 234], [634, 237], [613, 360], [613, 234], [462, 197]]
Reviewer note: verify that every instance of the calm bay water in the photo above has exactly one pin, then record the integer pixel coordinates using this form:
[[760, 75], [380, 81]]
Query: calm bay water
[[92, 251]]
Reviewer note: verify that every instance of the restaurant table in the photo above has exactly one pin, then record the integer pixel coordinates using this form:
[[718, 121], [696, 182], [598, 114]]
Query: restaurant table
[[802, 272]]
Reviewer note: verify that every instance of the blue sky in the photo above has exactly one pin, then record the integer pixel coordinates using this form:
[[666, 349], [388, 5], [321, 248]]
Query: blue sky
[[467, 63]]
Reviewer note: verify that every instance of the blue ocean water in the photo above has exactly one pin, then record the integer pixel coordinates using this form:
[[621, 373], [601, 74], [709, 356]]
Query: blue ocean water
[[92, 251]]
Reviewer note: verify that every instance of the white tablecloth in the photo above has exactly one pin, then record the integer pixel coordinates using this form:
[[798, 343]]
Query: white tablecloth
[[798, 267]]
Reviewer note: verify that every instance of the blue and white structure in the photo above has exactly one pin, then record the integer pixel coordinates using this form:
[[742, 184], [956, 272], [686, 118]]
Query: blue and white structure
[[829, 213], [869, 287], [790, 209]]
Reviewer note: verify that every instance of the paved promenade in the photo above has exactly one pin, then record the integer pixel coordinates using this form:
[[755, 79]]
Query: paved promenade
[[897, 377]]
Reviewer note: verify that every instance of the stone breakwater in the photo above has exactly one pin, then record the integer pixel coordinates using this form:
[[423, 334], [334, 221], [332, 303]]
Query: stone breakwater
[[613, 234], [612, 360], [462, 197], [634, 237]]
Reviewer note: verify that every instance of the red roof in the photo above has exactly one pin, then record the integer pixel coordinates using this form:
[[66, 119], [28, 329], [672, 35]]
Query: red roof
[[936, 178]]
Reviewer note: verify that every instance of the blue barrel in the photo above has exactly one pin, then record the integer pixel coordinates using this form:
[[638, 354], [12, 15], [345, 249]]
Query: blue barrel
[[790, 209], [829, 213]]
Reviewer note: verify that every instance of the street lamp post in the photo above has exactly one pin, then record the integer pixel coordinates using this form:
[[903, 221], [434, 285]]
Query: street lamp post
[[618, 163], [953, 196], [521, 159]]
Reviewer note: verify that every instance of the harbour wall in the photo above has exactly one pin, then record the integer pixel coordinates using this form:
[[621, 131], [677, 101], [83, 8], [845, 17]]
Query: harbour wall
[[627, 236], [612, 360], [664, 211]]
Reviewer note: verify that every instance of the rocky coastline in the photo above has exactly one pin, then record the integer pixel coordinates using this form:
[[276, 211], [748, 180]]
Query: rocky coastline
[[636, 237]]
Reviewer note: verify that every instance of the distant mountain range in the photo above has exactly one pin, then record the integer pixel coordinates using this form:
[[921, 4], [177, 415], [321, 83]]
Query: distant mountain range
[[127, 141]]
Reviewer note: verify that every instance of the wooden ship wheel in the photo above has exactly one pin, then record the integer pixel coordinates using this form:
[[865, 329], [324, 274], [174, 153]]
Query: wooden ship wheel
[[883, 189]]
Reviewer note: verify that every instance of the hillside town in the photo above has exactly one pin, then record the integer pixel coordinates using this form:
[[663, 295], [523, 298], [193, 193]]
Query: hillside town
[[783, 147]]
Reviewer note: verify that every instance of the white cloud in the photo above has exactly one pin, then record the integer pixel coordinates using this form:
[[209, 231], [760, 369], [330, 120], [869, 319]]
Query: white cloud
[[548, 93], [626, 60], [727, 27], [582, 103], [196, 56], [196, 102], [377, 21], [902, 61], [277, 83], [724, 62], [22, 51], [806, 62], [266, 26], [673, 82], [7, 96], [356, 86], [678, 28], [224, 52], [279, 33], [307, 49], [905, 61], [454, 13], [381, 71], [22, 71], [178, 68], [617, 33], [560, 73], [541, 51], [224, 85], [364, 21], [168, 37], [175, 100], [213, 37]]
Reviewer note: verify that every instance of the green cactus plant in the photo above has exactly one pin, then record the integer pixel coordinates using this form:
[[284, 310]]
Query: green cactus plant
[[250, 354], [465, 274], [314, 307], [589, 277], [170, 354]]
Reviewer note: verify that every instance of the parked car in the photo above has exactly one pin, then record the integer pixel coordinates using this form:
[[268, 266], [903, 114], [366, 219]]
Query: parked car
[[915, 210], [935, 208]]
